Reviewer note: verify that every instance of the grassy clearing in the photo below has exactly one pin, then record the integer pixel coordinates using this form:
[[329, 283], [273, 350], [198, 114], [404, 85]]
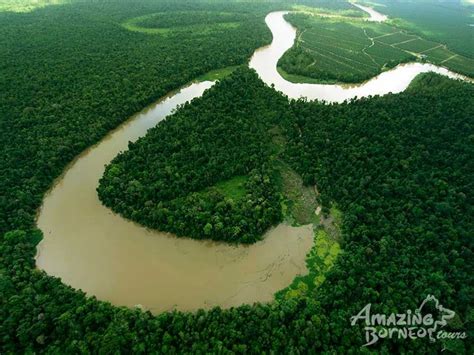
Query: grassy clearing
[[134, 26], [299, 202], [331, 50], [300, 207], [233, 188], [197, 22], [217, 74], [196, 29]]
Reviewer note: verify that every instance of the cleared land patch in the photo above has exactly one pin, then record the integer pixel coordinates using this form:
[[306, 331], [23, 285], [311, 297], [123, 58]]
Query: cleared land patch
[[179, 21], [300, 207], [338, 49], [319, 261], [217, 74], [233, 188]]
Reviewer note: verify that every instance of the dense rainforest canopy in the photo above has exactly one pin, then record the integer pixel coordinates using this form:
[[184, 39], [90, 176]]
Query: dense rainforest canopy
[[163, 180], [71, 73], [399, 167]]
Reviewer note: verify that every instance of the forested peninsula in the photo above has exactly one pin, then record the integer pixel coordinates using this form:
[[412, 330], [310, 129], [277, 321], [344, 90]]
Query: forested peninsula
[[206, 171]]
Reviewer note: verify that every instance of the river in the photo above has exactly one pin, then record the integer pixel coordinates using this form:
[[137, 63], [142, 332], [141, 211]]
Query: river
[[91, 248], [374, 16], [265, 60]]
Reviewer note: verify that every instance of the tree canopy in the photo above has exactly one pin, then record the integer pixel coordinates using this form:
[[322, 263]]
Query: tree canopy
[[166, 179], [398, 167]]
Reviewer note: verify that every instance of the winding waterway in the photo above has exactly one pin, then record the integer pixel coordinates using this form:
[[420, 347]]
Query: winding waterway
[[265, 60], [93, 249]]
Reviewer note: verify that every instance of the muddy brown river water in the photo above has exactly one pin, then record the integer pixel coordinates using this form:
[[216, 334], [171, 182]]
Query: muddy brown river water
[[95, 250]]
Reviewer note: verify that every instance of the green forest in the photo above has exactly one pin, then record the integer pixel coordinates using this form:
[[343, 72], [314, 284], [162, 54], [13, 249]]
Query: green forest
[[68, 91], [395, 172], [166, 179]]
